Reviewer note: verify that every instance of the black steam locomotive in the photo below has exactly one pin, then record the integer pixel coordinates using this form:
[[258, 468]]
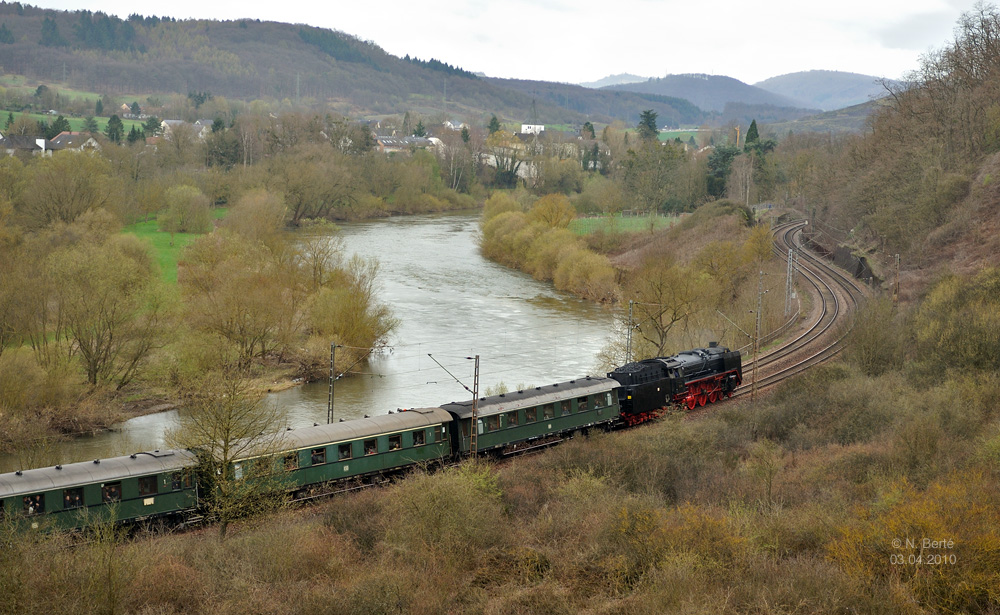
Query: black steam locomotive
[[692, 378]]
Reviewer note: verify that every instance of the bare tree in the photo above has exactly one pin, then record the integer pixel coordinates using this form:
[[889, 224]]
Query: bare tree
[[237, 435]]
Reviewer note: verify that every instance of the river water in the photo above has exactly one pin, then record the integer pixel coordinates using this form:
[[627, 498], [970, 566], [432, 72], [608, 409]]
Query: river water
[[452, 304]]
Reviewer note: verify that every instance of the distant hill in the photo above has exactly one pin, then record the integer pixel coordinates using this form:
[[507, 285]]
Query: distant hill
[[619, 79], [847, 119], [314, 67], [825, 89], [605, 105], [709, 92]]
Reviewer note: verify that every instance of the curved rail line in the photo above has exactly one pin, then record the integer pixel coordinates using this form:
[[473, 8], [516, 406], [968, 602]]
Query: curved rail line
[[838, 296]]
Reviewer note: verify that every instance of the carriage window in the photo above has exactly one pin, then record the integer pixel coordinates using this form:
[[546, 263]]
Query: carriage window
[[512, 419], [531, 415], [418, 438], [548, 411], [395, 442], [147, 485], [175, 480], [493, 422], [72, 498], [565, 407], [318, 456], [371, 447], [344, 452], [238, 471], [602, 401], [111, 492], [438, 436], [34, 504], [581, 404], [292, 461]]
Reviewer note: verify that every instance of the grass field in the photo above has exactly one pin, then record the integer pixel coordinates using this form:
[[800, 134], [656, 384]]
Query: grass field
[[622, 224], [166, 254], [76, 123], [683, 135]]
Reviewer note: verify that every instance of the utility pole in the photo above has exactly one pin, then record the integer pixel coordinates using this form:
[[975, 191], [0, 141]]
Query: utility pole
[[474, 439], [789, 273], [628, 337], [329, 401], [756, 333]]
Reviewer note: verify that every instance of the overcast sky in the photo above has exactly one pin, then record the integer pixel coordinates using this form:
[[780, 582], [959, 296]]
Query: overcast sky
[[583, 40]]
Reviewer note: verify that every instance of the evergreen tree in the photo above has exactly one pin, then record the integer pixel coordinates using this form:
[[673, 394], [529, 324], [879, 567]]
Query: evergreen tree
[[90, 125], [115, 129], [50, 34], [59, 126], [10, 120], [587, 132], [135, 109], [494, 125], [420, 131], [151, 127], [752, 135], [99, 107], [465, 134], [648, 130], [135, 135], [6, 36]]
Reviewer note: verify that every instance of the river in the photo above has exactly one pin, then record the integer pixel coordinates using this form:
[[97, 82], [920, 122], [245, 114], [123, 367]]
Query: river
[[451, 304]]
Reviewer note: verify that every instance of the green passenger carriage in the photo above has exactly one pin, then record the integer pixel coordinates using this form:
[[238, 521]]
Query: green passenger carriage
[[515, 420], [130, 488], [364, 447]]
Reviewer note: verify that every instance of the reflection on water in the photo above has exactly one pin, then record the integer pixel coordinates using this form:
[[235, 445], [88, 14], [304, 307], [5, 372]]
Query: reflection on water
[[451, 304]]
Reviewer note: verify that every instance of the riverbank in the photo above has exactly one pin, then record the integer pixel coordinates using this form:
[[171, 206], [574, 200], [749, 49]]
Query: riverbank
[[451, 303]]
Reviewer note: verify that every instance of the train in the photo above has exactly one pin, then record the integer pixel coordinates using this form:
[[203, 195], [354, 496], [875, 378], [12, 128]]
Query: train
[[170, 485]]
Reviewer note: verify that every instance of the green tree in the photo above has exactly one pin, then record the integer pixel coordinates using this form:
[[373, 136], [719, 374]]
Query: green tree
[[59, 126], [720, 162], [10, 120], [6, 36], [420, 131], [239, 292], [50, 34], [64, 186], [649, 174], [648, 130], [187, 212], [135, 135], [90, 125], [752, 135], [115, 129], [108, 299], [494, 125], [99, 107], [587, 132], [135, 109], [151, 127], [553, 210]]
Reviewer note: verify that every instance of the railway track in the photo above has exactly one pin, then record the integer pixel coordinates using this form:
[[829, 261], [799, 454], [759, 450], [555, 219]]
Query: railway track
[[821, 337]]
